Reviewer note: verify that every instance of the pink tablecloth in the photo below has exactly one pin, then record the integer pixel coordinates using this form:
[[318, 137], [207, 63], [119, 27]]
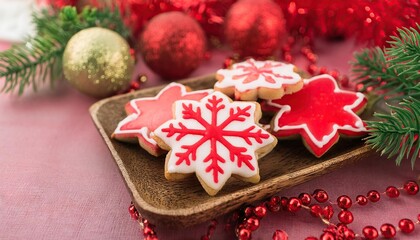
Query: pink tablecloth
[[58, 180]]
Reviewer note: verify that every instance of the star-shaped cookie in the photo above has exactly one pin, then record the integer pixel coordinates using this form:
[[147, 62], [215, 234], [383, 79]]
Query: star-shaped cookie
[[214, 138], [252, 79], [148, 113], [320, 113]]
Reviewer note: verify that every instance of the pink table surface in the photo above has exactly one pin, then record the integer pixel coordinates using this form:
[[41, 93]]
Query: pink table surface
[[59, 181]]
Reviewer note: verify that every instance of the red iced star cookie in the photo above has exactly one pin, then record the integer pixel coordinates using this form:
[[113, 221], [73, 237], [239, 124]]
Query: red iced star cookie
[[215, 138], [146, 114], [320, 112], [252, 79]]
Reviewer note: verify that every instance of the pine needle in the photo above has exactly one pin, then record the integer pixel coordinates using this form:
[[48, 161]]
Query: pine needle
[[397, 134], [393, 72]]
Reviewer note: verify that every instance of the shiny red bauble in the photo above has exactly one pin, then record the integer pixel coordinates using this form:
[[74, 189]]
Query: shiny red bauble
[[260, 211], [328, 212], [373, 196], [316, 210], [361, 200], [305, 198], [406, 225], [255, 29], [345, 217], [392, 192], [244, 234], [173, 45], [370, 232], [283, 202], [274, 204], [294, 204], [411, 187], [344, 202], [320, 195], [252, 223], [388, 230]]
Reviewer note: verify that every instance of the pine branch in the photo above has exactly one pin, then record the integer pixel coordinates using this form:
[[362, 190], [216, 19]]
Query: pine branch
[[371, 68], [397, 134], [404, 54], [39, 59], [393, 72]]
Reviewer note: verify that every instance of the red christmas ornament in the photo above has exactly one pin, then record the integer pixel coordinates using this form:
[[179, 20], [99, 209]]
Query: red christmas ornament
[[255, 30], [173, 45]]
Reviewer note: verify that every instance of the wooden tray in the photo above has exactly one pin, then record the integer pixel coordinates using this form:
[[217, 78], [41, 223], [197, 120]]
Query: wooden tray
[[184, 203]]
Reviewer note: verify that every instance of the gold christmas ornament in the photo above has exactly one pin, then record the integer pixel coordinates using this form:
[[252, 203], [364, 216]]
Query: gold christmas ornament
[[97, 62]]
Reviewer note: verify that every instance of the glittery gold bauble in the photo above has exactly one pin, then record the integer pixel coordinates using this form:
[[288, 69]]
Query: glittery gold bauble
[[97, 62]]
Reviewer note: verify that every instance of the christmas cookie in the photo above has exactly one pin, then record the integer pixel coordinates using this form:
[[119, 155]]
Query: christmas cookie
[[252, 79], [214, 138], [320, 113], [146, 114]]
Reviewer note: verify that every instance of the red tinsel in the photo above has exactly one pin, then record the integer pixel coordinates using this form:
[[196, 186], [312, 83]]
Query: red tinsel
[[209, 13], [368, 21], [137, 13]]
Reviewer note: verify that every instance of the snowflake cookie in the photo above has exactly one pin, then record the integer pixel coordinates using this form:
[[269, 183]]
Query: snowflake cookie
[[252, 79], [148, 113], [320, 113], [215, 138]]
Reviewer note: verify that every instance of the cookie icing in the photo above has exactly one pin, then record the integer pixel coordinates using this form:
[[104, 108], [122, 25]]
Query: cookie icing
[[251, 74], [214, 138], [148, 113], [319, 113]]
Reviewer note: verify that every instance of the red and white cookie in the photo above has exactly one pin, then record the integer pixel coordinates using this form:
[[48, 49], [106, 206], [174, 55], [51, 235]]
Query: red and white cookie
[[320, 113], [252, 79], [148, 113], [215, 138]]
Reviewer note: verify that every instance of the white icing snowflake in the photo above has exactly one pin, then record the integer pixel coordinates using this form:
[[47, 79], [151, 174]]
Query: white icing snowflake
[[214, 138]]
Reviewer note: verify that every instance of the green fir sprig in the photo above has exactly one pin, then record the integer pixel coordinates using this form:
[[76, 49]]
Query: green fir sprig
[[39, 59], [397, 134], [393, 73]]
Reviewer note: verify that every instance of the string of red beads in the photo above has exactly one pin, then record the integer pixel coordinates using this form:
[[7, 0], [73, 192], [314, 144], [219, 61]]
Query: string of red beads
[[148, 228], [248, 219]]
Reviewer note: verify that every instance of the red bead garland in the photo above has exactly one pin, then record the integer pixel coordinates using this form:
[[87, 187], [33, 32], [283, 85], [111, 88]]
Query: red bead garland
[[249, 218]]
